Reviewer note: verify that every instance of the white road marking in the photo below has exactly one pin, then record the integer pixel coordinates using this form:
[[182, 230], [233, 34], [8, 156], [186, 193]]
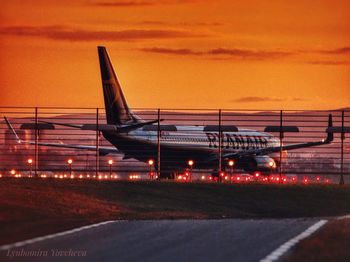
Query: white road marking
[[38, 239], [343, 217], [277, 253]]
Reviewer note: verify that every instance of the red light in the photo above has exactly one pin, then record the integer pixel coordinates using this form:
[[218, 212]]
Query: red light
[[222, 174], [184, 178], [179, 177], [293, 178], [187, 174], [257, 174], [284, 179], [318, 178], [238, 178], [277, 179], [210, 178]]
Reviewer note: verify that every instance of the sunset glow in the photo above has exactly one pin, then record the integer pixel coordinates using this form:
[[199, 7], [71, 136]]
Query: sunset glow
[[230, 54]]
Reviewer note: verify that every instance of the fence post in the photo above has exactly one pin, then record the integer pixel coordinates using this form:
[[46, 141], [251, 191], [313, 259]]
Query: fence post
[[97, 144], [281, 138], [158, 145], [220, 143], [342, 137], [36, 148]]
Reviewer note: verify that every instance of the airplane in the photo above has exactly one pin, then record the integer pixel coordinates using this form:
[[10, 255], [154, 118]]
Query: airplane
[[136, 138]]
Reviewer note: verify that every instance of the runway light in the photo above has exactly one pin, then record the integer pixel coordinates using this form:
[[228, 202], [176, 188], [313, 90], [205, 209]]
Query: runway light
[[305, 180], [55, 176], [203, 177], [210, 178], [13, 172], [151, 162], [99, 177], [0, 175], [271, 164], [61, 177], [318, 179], [190, 163], [70, 161], [284, 179], [72, 176], [110, 162], [187, 174], [238, 178], [30, 161], [226, 177], [257, 174], [231, 163], [222, 174], [88, 176], [81, 176], [294, 179], [65, 176], [106, 176]]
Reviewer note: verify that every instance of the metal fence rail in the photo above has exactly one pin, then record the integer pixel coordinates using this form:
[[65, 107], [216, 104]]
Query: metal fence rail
[[330, 161]]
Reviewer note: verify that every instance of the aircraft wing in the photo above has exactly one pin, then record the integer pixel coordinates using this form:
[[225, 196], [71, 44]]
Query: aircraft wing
[[118, 129], [102, 149], [269, 150]]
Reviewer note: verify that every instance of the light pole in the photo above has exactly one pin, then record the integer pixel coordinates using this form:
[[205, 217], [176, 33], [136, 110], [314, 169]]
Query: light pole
[[110, 163], [30, 162], [271, 165], [190, 163], [231, 164], [70, 162], [150, 163]]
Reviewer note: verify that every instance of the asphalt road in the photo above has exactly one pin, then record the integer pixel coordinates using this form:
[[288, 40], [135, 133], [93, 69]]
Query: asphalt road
[[166, 240]]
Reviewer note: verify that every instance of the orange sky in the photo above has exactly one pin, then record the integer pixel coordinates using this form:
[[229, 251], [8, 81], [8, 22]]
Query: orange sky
[[178, 53]]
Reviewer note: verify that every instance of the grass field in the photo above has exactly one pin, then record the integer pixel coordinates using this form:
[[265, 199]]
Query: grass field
[[330, 243], [33, 207]]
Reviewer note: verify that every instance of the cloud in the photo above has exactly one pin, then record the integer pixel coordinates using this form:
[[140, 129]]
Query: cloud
[[245, 53], [160, 50], [222, 53], [328, 62], [252, 99], [124, 3], [199, 24], [70, 34], [337, 51], [141, 3]]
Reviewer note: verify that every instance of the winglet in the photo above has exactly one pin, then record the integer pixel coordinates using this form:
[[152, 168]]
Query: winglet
[[330, 135], [12, 129]]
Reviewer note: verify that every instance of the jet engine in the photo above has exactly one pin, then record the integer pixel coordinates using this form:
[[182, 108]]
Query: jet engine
[[257, 163]]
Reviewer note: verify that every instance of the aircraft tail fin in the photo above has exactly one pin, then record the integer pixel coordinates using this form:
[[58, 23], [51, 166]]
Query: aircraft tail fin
[[117, 110]]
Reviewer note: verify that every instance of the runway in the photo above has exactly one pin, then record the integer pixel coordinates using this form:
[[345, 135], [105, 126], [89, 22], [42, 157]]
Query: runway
[[166, 240]]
